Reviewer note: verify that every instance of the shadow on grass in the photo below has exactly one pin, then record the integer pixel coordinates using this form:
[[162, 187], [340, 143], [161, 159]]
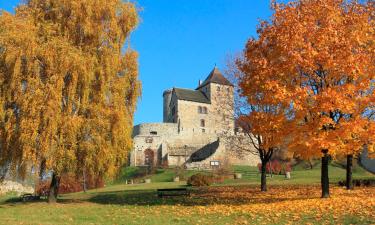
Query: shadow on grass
[[18, 200], [199, 197]]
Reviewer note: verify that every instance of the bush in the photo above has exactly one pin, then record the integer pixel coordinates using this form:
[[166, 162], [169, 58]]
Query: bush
[[277, 167], [42, 188], [360, 183], [220, 178], [69, 183], [287, 167], [199, 180]]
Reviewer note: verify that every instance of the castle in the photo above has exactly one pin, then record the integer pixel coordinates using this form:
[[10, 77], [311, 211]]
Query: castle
[[195, 124]]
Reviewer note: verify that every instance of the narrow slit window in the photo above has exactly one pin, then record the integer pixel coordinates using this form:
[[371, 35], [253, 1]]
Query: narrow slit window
[[204, 110], [203, 123]]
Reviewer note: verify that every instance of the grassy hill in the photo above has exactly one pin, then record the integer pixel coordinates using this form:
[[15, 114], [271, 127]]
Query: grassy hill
[[231, 202], [250, 175]]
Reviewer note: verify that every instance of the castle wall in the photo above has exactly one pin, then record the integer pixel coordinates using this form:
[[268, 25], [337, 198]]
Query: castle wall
[[222, 107], [172, 116], [167, 97], [160, 128], [150, 136], [190, 119], [141, 144], [175, 149]]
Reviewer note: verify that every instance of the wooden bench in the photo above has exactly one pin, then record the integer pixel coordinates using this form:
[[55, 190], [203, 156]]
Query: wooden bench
[[173, 192], [29, 197]]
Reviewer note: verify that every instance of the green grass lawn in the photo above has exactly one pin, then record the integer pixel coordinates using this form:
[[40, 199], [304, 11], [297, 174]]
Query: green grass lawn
[[299, 175], [119, 203], [159, 175], [251, 175]]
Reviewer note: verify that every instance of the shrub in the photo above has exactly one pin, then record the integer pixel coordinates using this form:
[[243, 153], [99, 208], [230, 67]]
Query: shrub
[[220, 178], [287, 167], [69, 183], [360, 183], [42, 188], [221, 174], [199, 180], [276, 167]]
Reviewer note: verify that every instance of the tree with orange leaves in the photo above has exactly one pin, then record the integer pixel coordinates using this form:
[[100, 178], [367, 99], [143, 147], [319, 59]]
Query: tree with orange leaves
[[261, 114], [318, 57]]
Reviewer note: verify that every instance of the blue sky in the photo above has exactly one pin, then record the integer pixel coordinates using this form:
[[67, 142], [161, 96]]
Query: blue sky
[[179, 42]]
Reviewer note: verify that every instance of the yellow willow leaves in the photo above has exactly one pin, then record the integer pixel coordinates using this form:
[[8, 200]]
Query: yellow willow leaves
[[313, 63], [68, 92]]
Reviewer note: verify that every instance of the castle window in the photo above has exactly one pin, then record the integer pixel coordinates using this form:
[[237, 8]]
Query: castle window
[[218, 88], [154, 133], [202, 110], [149, 140], [203, 130], [203, 123]]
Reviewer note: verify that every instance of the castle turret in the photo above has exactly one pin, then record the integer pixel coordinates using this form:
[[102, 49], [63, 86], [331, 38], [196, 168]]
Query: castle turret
[[220, 91], [167, 95]]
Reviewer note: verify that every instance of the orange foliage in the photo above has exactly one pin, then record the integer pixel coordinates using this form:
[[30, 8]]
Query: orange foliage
[[314, 66]]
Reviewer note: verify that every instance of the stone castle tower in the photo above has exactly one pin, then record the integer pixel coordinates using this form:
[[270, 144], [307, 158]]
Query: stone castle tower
[[195, 124], [207, 109]]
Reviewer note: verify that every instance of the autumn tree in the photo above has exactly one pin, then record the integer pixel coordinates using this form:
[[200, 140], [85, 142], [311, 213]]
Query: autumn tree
[[260, 115], [320, 56], [68, 88]]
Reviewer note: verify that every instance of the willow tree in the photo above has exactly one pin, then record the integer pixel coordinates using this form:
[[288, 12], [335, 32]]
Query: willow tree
[[322, 54], [68, 90]]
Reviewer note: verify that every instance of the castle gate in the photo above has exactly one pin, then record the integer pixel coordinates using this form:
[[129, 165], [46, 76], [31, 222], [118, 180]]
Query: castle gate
[[149, 157]]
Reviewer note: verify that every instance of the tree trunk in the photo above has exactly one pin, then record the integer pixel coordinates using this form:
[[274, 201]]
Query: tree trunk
[[324, 175], [271, 168], [311, 164], [263, 183], [84, 182], [54, 188], [349, 172], [38, 185]]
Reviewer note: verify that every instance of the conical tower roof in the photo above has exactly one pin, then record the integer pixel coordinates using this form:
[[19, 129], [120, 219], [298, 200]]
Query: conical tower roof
[[215, 77]]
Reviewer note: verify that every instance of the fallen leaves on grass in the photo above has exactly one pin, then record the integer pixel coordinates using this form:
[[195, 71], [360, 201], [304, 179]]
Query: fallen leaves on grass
[[291, 203]]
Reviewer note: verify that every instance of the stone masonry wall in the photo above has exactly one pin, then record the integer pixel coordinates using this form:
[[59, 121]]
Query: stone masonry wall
[[176, 148], [161, 128], [222, 107], [190, 119]]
